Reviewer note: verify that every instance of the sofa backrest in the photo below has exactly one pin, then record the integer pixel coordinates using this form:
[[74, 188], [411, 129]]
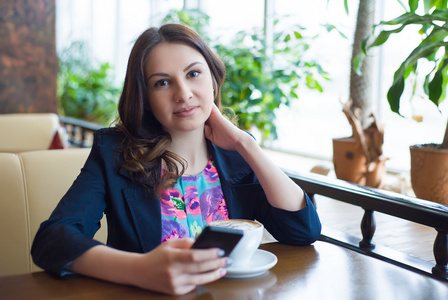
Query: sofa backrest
[[14, 242], [27, 132], [31, 185]]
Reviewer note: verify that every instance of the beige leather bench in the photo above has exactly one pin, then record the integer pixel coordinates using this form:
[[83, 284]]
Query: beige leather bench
[[27, 132], [31, 185]]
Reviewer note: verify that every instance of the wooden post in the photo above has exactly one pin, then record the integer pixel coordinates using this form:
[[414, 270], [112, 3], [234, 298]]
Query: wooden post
[[368, 227], [441, 254]]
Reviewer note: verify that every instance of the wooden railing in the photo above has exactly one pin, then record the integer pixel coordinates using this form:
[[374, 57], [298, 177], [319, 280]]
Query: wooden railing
[[80, 132], [370, 199]]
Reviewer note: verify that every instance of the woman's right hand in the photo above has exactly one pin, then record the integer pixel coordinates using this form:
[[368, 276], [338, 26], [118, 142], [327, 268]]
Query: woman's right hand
[[173, 268]]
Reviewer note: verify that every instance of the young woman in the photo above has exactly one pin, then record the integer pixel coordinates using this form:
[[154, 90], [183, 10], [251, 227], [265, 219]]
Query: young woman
[[170, 166]]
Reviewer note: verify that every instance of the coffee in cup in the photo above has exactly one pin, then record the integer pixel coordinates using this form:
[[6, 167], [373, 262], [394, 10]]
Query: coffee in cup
[[249, 243]]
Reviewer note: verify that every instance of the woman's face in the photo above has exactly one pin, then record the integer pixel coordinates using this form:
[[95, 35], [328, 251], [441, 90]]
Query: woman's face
[[180, 87]]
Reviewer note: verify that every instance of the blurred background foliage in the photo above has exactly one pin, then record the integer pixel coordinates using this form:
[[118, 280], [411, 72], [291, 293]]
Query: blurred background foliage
[[86, 89]]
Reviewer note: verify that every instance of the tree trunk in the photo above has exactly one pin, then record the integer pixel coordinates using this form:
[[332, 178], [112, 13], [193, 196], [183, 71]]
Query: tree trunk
[[361, 86], [445, 138]]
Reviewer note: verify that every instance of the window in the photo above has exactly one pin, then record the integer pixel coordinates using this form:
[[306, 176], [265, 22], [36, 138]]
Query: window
[[307, 127]]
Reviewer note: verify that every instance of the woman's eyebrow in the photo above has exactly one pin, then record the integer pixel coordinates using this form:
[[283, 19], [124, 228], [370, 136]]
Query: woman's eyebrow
[[192, 64], [156, 74]]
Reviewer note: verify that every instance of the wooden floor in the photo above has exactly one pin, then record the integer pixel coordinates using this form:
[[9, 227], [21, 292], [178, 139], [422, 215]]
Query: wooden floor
[[400, 235]]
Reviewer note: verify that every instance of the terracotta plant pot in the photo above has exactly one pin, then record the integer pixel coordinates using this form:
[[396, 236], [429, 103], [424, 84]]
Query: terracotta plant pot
[[348, 159], [350, 163], [429, 173]]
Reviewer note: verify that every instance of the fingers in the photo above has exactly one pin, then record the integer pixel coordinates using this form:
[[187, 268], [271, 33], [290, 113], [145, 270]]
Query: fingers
[[196, 255], [208, 131], [220, 131], [195, 260], [206, 265], [216, 117], [202, 260], [190, 281], [176, 269], [207, 277], [213, 114], [193, 267]]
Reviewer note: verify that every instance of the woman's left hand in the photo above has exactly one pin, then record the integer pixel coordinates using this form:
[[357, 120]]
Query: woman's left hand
[[221, 132]]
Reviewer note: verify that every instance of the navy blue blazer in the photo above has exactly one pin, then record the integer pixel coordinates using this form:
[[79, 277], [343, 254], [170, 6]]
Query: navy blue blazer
[[133, 212]]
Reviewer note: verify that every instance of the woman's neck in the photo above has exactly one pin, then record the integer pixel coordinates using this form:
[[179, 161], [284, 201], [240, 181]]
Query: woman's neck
[[192, 147]]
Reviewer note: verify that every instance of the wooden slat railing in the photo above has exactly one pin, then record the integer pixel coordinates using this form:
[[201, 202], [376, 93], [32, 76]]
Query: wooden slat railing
[[370, 199], [80, 132]]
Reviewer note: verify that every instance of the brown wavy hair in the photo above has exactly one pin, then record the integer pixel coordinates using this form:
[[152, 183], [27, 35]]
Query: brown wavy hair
[[145, 144]]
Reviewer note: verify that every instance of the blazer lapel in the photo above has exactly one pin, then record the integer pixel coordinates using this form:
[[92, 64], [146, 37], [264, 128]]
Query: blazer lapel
[[146, 215]]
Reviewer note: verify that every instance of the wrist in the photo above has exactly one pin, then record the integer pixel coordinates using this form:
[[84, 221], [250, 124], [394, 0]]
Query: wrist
[[133, 272], [245, 144]]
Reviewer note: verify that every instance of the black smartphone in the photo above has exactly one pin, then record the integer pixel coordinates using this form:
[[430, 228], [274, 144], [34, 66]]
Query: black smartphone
[[218, 237]]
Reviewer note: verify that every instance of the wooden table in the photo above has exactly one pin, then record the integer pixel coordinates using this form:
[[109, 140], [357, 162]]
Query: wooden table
[[319, 271]]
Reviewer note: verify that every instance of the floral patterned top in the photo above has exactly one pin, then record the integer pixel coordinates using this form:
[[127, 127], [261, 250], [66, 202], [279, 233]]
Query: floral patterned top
[[192, 203]]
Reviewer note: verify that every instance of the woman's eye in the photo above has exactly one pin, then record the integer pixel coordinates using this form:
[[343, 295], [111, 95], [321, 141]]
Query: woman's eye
[[161, 82], [194, 73]]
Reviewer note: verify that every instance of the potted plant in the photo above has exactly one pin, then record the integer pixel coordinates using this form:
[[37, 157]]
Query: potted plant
[[359, 158], [429, 162]]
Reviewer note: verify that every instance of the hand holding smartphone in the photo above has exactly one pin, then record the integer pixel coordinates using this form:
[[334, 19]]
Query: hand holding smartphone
[[218, 237]]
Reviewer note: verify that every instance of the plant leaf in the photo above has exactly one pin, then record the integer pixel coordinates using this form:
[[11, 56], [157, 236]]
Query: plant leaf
[[383, 36], [428, 4], [435, 86], [396, 90], [413, 4]]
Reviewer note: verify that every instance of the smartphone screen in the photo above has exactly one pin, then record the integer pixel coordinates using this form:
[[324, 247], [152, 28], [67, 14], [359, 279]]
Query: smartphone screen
[[218, 237]]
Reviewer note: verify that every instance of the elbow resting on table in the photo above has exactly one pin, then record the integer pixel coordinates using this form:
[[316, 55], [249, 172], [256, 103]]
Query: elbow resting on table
[[307, 237]]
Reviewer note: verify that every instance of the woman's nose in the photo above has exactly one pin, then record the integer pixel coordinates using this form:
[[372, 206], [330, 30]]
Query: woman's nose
[[183, 92]]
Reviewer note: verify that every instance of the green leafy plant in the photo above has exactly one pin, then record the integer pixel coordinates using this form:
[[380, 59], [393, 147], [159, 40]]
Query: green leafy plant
[[433, 28], [85, 91], [195, 18], [258, 79], [258, 83]]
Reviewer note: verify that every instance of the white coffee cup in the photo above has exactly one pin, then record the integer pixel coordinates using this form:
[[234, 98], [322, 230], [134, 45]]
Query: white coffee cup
[[249, 243]]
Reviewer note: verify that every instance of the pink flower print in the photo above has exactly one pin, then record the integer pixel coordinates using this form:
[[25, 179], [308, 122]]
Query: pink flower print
[[172, 204], [192, 201], [210, 173], [167, 206]]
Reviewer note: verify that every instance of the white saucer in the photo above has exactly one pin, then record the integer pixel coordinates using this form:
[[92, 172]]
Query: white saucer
[[260, 262]]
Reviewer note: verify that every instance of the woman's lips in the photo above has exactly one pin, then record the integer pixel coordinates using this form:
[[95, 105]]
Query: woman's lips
[[186, 111]]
